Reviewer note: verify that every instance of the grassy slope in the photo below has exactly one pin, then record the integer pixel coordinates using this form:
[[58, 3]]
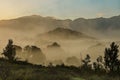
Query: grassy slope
[[26, 71]]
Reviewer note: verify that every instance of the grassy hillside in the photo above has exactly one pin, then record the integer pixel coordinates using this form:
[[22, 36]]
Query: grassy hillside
[[19, 70]]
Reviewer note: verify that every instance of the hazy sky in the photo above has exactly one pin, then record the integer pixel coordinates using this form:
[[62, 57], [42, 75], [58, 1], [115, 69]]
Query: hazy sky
[[59, 8]]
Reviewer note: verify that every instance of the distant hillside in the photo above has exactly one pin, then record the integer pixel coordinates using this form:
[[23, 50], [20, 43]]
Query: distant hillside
[[63, 33], [34, 22], [99, 24]]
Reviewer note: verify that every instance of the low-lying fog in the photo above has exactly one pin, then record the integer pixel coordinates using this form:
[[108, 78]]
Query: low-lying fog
[[69, 51]]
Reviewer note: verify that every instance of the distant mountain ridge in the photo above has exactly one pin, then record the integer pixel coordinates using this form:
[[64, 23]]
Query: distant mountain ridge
[[34, 22], [44, 24], [100, 24]]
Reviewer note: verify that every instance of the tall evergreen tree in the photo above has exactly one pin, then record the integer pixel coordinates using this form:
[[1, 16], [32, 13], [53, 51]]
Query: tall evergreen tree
[[111, 57], [9, 52]]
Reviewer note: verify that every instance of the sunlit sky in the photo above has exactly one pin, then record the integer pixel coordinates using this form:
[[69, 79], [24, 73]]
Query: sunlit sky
[[59, 8]]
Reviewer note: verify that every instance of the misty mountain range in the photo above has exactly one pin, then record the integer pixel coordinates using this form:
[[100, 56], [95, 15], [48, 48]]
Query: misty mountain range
[[41, 24]]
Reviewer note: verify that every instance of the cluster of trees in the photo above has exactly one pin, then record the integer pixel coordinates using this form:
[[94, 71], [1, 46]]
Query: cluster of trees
[[109, 62], [11, 50]]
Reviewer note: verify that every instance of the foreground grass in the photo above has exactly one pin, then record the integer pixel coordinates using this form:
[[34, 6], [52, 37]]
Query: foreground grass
[[76, 78], [26, 71]]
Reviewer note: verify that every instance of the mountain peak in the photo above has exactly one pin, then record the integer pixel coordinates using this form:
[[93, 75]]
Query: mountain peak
[[66, 31], [63, 33], [31, 16]]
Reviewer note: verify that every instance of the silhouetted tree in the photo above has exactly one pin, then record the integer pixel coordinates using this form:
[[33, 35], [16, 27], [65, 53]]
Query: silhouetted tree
[[95, 66], [99, 64], [111, 57], [86, 61], [9, 51]]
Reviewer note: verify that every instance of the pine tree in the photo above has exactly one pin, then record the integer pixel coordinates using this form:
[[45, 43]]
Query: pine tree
[[111, 57], [9, 52]]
